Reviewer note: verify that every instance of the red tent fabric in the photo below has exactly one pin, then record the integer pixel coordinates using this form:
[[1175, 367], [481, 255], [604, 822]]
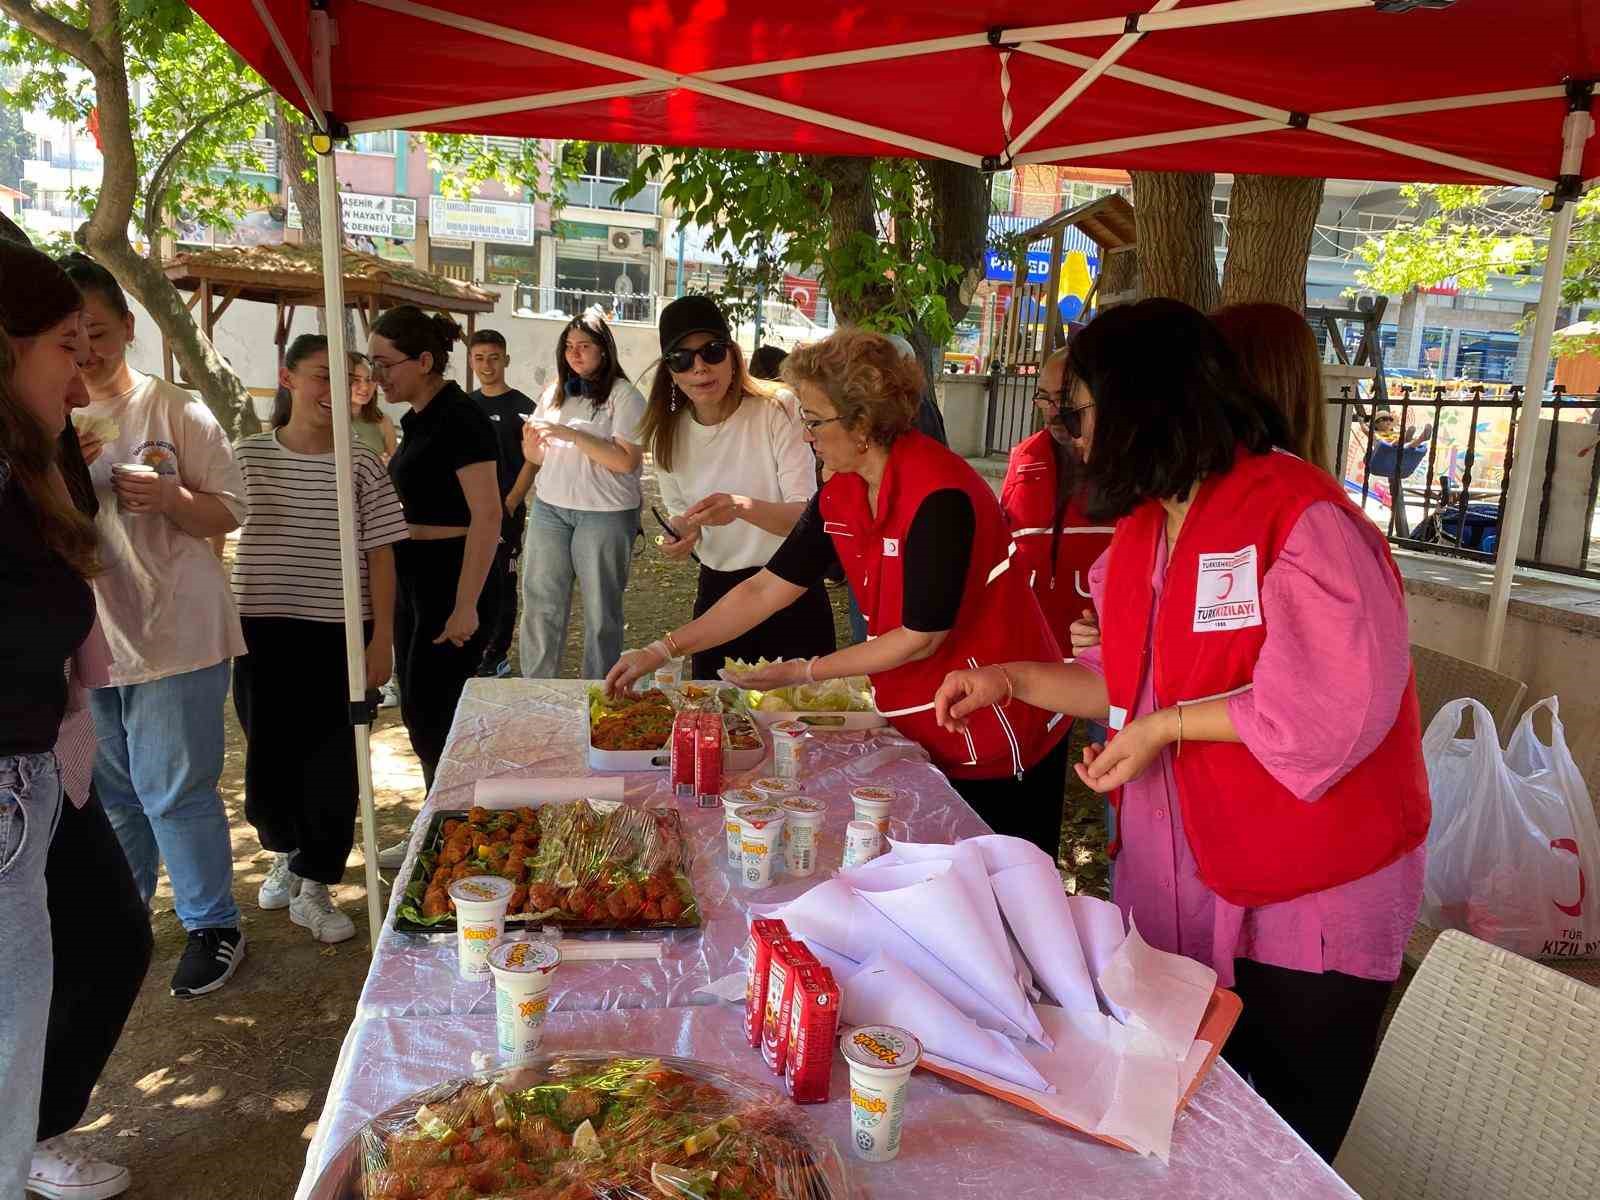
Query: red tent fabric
[[969, 81]]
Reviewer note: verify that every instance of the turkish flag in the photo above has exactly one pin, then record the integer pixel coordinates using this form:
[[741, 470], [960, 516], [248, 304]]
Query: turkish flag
[[802, 293]]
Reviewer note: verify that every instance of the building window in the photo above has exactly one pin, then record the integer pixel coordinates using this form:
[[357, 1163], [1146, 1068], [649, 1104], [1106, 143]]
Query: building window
[[1074, 193], [621, 288], [1001, 191], [511, 264], [47, 152], [379, 141]]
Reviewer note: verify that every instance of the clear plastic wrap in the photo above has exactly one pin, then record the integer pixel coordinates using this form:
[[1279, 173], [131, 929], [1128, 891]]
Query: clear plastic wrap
[[507, 728], [590, 1125]]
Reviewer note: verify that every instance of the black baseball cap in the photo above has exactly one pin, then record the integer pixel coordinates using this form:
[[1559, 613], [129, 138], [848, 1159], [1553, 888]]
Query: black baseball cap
[[691, 314]]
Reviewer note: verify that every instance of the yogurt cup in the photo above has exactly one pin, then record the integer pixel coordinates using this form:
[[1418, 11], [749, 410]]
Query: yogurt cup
[[881, 1059], [802, 820], [775, 790], [874, 804], [480, 902], [862, 843], [787, 739], [760, 828], [737, 798], [132, 468], [670, 673], [523, 972]]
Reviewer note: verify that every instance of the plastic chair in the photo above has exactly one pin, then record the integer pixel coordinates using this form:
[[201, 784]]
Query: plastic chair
[[1442, 678], [1484, 1088]]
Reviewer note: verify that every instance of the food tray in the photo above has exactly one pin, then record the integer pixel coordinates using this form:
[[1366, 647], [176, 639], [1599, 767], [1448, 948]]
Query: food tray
[[659, 760], [682, 1117], [820, 722], [603, 840]]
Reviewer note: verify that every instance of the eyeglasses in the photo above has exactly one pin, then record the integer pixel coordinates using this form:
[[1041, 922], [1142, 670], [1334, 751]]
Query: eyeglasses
[[812, 424], [680, 361], [1044, 399], [1072, 418], [379, 367]]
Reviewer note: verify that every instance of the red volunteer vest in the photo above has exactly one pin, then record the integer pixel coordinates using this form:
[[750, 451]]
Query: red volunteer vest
[[999, 620], [1028, 498], [1254, 842]]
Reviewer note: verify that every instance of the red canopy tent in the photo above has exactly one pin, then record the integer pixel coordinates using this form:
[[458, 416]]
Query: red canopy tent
[[1494, 91]]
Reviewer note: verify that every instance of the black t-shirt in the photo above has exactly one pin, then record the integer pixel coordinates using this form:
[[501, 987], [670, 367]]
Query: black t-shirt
[[450, 433], [934, 559], [505, 413], [49, 610]]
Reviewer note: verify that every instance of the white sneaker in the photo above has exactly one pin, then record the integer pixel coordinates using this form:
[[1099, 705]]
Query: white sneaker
[[314, 909], [391, 857], [280, 885], [57, 1173]]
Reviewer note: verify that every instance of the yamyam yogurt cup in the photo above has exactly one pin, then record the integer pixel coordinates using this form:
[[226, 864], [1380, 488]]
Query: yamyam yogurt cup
[[881, 1059], [731, 800], [523, 972], [802, 821], [760, 828], [873, 803], [480, 902]]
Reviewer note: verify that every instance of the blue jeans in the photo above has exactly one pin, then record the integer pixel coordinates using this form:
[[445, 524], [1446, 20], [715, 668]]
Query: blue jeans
[[858, 620], [157, 770], [30, 806], [596, 548]]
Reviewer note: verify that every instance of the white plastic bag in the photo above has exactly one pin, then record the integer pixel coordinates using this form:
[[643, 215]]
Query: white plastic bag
[[1514, 847]]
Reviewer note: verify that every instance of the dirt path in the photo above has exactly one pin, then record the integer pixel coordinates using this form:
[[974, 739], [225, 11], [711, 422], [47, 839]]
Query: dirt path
[[218, 1097]]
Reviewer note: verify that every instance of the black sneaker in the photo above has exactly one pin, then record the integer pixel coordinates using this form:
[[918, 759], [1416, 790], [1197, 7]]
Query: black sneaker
[[208, 962]]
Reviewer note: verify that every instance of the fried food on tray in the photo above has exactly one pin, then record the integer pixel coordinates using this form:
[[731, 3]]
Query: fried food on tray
[[624, 1127], [643, 722], [614, 867]]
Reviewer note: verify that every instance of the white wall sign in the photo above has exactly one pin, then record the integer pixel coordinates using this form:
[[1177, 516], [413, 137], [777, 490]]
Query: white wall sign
[[371, 216], [481, 220]]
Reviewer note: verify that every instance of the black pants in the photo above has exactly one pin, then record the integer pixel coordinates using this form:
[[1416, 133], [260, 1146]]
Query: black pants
[[1029, 807], [505, 584], [1306, 1043], [431, 676], [300, 785], [803, 629], [100, 938]]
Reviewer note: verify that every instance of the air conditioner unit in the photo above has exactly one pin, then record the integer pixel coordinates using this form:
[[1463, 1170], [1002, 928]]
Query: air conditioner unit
[[626, 241]]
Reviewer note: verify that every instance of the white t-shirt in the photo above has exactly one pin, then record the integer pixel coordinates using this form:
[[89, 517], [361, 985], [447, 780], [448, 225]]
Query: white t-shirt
[[287, 562], [757, 452], [569, 478], [163, 599]]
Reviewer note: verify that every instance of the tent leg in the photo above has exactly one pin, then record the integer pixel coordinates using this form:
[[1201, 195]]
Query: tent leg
[[1579, 126], [350, 571]]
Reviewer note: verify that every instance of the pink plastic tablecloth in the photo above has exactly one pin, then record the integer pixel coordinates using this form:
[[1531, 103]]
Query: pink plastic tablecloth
[[1227, 1145], [534, 728]]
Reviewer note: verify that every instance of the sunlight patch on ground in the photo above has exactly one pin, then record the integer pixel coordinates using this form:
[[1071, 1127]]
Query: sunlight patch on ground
[[203, 1099], [156, 1081]]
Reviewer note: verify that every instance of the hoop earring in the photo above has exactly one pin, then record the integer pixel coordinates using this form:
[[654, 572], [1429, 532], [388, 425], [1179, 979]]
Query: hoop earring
[[677, 401]]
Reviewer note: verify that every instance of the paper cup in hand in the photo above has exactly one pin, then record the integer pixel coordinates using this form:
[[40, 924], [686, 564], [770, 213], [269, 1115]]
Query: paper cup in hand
[[874, 804], [802, 820], [731, 800], [127, 470], [881, 1059], [480, 902], [760, 827], [523, 972]]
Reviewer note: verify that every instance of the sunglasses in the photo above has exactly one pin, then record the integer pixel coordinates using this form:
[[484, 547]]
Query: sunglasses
[[711, 354], [1072, 418]]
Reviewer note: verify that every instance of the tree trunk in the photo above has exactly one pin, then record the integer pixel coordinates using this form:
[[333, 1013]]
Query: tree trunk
[[1119, 277], [295, 168], [1176, 256], [850, 213], [960, 234], [1271, 220], [106, 235]]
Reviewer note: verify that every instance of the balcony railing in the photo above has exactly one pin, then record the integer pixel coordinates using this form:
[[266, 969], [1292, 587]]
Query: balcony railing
[[597, 191]]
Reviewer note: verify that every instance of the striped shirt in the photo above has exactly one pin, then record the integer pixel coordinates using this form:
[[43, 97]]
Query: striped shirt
[[287, 563]]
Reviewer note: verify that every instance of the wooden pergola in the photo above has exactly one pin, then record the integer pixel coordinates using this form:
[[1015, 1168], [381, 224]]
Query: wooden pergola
[[290, 276]]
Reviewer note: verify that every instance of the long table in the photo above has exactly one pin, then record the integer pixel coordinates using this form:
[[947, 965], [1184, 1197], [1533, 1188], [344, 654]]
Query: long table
[[416, 1023]]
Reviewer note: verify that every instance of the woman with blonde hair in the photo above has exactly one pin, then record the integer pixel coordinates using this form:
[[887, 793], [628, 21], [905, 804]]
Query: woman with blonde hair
[[369, 424], [735, 474], [1277, 354], [926, 551]]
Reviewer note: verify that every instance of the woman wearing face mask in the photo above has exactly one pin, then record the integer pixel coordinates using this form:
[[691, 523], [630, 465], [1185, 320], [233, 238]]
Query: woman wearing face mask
[[173, 629], [584, 438], [368, 423], [48, 551], [735, 474], [291, 689], [1255, 676], [926, 551], [444, 473]]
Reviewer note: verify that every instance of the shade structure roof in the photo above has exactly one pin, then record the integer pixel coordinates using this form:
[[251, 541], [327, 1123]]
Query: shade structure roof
[[1367, 89]]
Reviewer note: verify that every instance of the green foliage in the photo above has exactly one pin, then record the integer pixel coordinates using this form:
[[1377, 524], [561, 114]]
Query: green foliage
[[467, 161], [191, 92], [16, 144], [775, 211], [1472, 232]]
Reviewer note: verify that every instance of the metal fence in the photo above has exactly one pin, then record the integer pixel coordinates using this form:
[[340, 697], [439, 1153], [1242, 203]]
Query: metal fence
[[531, 300], [1012, 414]]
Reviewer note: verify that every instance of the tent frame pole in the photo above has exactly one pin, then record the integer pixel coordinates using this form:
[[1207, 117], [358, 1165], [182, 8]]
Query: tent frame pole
[[1577, 129]]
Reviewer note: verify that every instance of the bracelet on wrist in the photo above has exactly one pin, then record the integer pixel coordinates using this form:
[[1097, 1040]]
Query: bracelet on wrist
[[1178, 753], [673, 650], [1011, 688], [811, 669]]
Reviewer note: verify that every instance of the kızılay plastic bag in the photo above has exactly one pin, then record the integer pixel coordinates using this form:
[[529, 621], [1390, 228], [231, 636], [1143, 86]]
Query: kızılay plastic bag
[[1514, 843]]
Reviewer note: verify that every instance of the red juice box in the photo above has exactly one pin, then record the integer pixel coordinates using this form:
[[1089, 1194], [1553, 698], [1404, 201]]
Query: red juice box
[[685, 728], [813, 1032], [763, 932], [708, 759], [788, 956]]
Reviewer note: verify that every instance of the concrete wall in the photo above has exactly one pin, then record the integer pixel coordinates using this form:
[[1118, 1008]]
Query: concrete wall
[[964, 401]]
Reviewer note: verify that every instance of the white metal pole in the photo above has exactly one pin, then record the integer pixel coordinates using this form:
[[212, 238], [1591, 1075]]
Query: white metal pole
[[355, 649], [1577, 129]]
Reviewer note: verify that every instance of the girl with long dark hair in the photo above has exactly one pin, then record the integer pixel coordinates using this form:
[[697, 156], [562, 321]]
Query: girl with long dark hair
[[584, 438]]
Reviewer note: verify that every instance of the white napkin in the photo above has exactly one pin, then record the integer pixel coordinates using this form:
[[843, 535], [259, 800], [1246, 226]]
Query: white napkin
[[515, 793], [1100, 932], [1165, 994], [885, 992]]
